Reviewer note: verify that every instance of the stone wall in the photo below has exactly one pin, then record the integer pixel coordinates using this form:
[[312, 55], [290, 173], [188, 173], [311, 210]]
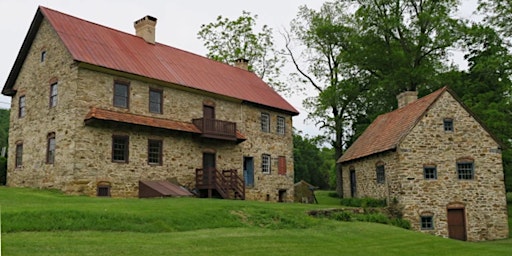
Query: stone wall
[[366, 176], [83, 153], [483, 197]]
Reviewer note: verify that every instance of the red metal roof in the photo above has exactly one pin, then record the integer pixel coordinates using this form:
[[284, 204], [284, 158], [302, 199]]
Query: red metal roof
[[388, 129], [108, 115], [106, 47]]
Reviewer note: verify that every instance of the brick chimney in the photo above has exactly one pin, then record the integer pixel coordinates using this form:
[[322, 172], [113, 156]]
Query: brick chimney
[[145, 28], [242, 63], [407, 97]]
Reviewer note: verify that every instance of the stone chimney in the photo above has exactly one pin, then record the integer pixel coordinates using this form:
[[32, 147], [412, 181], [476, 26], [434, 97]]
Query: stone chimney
[[145, 28], [242, 63], [407, 97]]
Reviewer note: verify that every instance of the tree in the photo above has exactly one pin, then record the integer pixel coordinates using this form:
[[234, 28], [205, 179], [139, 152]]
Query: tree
[[362, 53], [228, 40], [498, 14], [486, 87], [311, 164]]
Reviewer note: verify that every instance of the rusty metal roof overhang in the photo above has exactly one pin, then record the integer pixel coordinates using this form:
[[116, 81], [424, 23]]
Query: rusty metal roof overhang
[[103, 115]]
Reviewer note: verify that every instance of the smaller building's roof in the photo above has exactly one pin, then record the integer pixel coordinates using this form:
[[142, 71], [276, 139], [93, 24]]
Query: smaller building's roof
[[302, 182], [163, 188], [127, 118], [386, 132]]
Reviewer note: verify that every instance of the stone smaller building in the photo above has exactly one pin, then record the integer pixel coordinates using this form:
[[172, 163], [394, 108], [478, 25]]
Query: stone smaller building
[[438, 161], [304, 193]]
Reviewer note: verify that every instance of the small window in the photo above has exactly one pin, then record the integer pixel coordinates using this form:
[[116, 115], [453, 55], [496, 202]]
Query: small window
[[120, 149], [103, 191], [22, 111], [265, 164], [465, 170], [430, 172], [281, 125], [265, 122], [50, 149], [381, 175], [155, 152], [155, 101], [43, 56], [121, 95], [427, 222], [53, 94], [448, 125], [281, 166], [19, 154]]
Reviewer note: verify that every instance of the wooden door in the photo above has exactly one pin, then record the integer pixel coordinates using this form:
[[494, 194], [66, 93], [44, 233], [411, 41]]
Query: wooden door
[[208, 167], [208, 112], [456, 224]]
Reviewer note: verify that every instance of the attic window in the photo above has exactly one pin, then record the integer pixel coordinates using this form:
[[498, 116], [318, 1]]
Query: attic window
[[43, 56], [430, 172], [448, 125]]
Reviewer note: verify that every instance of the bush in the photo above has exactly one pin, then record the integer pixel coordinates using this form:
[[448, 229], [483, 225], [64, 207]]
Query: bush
[[509, 198], [401, 223], [341, 216], [363, 202]]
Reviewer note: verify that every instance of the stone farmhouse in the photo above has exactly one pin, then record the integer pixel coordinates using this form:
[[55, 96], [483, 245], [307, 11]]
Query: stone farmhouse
[[95, 111], [438, 161]]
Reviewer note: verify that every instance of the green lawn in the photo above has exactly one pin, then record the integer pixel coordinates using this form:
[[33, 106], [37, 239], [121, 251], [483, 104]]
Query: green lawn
[[49, 223]]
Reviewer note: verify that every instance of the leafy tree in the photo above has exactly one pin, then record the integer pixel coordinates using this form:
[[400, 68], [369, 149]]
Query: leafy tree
[[362, 53], [486, 87], [498, 13], [228, 40], [4, 127], [311, 164]]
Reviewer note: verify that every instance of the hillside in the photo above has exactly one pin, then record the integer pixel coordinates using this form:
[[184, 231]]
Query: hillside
[[49, 223]]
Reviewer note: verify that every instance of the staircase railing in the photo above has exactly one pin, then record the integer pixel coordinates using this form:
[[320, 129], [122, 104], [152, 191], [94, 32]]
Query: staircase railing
[[224, 183]]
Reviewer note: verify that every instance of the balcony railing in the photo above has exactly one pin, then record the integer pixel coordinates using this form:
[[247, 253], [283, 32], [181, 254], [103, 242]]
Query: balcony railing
[[216, 129]]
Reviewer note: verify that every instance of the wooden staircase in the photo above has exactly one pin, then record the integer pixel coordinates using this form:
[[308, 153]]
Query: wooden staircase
[[214, 183]]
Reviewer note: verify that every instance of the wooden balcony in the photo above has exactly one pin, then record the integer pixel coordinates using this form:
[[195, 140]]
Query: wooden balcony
[[216, 129]]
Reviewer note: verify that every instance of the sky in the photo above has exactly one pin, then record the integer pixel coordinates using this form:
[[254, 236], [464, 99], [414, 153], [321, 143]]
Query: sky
[[177, 25]]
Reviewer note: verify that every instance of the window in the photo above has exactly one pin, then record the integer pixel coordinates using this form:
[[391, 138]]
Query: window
[[280, 125], [50, 149], [120, 149], [121, 95], [53, 94], [465, 169], [43, 56], [427, 222], [21, 109], [430, 172], [381, 177], [265, 164], [103, 191], [155, 152], [19, 154], [155, 101], [448, 125], [265, 122], [281, 165]]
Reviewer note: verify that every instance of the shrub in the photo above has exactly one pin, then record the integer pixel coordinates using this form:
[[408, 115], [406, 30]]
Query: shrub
[[341, 216], [363, 202], [401, 223], [333, 194], [509, 198]]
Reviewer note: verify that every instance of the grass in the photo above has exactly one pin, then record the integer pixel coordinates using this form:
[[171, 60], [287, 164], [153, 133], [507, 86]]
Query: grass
[[49, 223]]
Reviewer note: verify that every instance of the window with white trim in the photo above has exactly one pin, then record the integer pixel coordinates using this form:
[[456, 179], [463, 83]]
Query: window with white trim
[[265, 164], [281, 125], [265, 122]]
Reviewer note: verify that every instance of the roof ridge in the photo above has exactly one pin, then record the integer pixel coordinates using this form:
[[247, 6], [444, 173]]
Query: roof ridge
[[135, 36]]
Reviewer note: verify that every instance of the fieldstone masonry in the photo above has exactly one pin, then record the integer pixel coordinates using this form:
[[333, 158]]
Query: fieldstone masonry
[[482, 198], [83, 152]]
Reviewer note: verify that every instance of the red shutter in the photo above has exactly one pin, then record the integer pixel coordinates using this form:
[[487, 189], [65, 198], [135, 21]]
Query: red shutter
[[282, 165]]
